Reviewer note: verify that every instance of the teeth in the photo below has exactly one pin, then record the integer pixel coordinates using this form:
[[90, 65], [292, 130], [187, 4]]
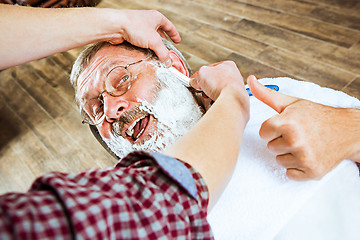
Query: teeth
[[140, 133], [130, 130]]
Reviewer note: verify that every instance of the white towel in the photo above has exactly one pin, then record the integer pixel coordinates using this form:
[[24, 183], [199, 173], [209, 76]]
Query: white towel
[[259, 199]]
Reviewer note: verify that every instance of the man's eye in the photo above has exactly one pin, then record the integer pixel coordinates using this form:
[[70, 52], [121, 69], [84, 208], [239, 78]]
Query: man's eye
[[124, 79], [97, 109], [122, 83]]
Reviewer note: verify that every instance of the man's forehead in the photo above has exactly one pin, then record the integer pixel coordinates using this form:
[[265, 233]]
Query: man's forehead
[[118, 53], [112, 55], [105, 59]]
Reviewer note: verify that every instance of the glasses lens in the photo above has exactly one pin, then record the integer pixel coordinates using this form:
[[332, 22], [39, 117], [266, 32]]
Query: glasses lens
[[93, 112], [118, 81]]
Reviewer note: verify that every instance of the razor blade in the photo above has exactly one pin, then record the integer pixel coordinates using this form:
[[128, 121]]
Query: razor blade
[[183, 78]]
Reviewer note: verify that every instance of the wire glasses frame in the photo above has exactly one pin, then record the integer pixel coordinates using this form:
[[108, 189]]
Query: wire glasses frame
[[117, 82]]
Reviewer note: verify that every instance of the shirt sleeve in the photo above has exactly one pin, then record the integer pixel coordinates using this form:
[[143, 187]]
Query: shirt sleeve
[[145, 196]]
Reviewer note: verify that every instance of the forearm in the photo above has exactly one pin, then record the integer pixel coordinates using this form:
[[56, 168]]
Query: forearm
[[213, 145], [353, 133], [32, 33]]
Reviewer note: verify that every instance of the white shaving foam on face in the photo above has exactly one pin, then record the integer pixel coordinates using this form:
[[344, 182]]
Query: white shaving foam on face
[[174, 108]]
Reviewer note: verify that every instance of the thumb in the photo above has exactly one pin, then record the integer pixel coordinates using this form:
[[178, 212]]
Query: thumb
[[194, 82], [273, 99]]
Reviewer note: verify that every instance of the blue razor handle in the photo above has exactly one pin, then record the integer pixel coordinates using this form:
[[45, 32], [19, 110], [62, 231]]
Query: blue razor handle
[[273, 87]]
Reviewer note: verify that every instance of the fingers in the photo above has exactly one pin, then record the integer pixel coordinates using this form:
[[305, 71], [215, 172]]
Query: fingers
[[202, 79], [303, 135], [271, 128], [287, 161], [212, 79], [300, 164], [297, 174], [273, 99], [196, 78], [168, 27], [161, 33], [164, 26], [157, 45], [279, 146], [293, 169], [146, 29]]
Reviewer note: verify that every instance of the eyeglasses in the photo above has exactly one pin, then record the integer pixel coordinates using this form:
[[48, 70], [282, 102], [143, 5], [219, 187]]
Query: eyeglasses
[[117, 82]]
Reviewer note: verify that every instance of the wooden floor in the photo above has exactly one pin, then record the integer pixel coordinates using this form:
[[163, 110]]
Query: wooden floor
[[309, 40]]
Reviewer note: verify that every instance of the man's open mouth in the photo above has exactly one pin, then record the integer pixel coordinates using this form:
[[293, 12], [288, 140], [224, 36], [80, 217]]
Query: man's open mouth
[[137, 128]]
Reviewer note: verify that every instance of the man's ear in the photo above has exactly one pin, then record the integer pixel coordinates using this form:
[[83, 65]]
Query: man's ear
[[178, 63]]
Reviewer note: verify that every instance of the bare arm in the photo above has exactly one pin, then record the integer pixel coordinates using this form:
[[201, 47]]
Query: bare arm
[[213, 145], [28, 33], [309, 139]]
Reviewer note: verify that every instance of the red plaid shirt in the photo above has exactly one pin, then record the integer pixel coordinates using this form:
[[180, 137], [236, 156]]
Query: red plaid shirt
[[145, 196]]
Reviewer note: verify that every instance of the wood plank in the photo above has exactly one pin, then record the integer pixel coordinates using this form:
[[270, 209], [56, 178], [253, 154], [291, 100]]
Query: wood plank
[[55, 72], [203, 48], [236, 42], [295, 7], [215, 53], [349, 4], [196, 11], [64, 151], [121, 4], [337, 17], [355, 49], [83, 140], [194, 61], [76, 51], [64, 59], [312, 10], [306, 68], [16, 173], [322, 51], [68, 110], [309, 27], [183, 24], [309, 47], [251, 67], [208, 31], [8, 128], [40, 89], [353, 88], [15, 176]]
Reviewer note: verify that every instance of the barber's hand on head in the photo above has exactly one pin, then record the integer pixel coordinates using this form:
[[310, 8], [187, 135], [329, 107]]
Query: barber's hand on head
[[308, 138], [216, 77], [145, 28], [55, 33]]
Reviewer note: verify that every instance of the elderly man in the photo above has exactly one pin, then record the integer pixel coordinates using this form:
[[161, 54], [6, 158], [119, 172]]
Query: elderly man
[[135, 102], [151, 109]]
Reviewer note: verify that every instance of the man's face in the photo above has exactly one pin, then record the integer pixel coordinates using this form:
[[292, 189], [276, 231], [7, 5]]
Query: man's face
[[151, 115]]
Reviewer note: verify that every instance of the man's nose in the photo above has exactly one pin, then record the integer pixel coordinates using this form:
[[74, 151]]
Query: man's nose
[[114, 107]]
